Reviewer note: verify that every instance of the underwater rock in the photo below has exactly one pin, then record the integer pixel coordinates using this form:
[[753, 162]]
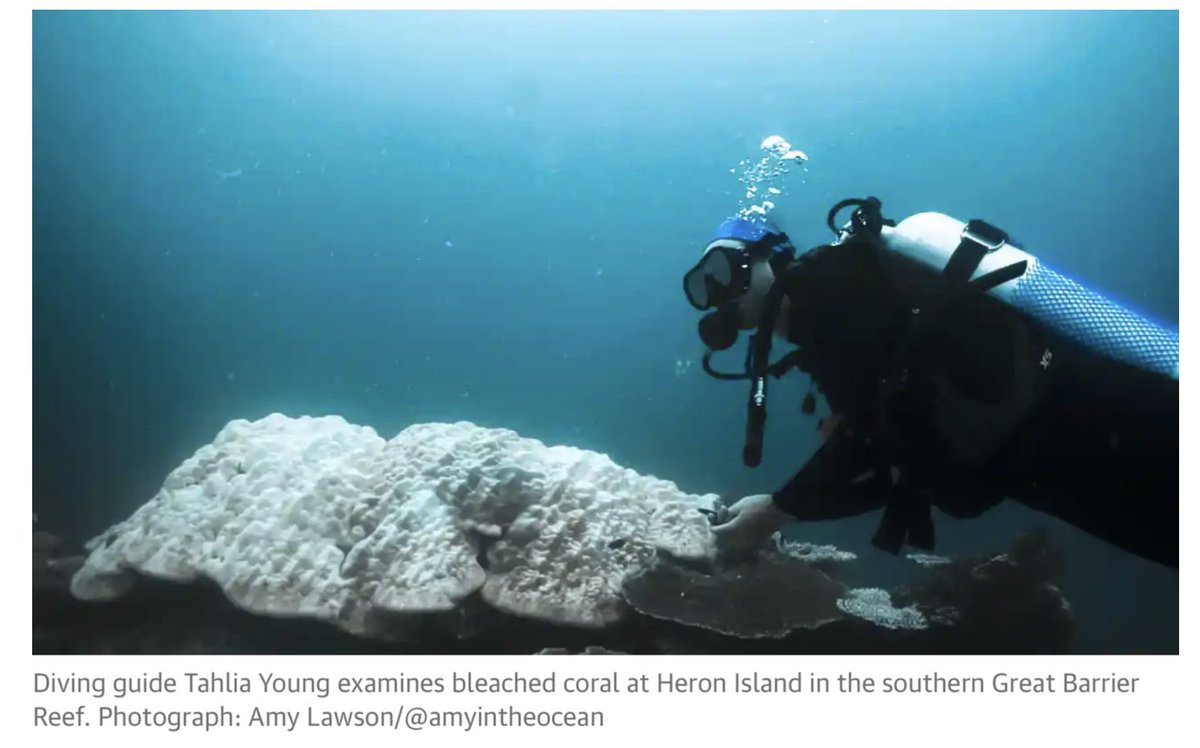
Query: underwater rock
[[589, 650], [318, 518], [1033, 553], [1011, 599], [53, 563]]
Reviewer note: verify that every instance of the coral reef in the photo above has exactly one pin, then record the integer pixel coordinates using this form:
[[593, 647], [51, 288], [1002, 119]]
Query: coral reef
[[318, 518], [1003, 597], [456, 538]]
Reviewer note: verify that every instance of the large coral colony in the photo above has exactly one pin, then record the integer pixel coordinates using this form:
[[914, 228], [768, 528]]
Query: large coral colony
[[318, 518]]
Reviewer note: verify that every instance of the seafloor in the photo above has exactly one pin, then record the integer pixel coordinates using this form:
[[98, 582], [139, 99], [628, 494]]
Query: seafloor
[[782, 603]]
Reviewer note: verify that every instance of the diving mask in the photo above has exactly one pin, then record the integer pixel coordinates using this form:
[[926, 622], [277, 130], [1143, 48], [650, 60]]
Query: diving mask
[[723, 273], [721, 276]]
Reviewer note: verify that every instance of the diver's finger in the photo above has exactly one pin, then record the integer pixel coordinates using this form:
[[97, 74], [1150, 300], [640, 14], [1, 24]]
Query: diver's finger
[[727, 530]]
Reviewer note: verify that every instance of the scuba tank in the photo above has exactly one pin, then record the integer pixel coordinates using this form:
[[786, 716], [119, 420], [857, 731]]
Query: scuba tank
[[1065, 306], [941, 261]]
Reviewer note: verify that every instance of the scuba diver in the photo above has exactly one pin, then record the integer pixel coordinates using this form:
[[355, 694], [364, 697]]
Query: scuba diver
[[958, 369]]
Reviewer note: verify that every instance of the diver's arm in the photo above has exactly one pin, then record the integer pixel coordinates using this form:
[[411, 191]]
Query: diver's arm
[[825, 488], [842, 479]]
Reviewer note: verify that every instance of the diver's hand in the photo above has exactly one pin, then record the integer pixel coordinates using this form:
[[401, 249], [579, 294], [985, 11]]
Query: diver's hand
[[754, 520]]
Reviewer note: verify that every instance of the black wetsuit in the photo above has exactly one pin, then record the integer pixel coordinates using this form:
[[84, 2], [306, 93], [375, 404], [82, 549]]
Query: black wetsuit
[[995, 407]]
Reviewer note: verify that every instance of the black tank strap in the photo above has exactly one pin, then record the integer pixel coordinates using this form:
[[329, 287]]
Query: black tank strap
[[978, 239], [907, 517]]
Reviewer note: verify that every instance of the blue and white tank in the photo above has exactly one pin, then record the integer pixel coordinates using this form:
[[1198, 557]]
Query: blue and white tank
[[1062, 304]]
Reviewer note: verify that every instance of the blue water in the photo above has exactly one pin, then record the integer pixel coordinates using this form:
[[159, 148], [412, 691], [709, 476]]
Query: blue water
[[486, 216]]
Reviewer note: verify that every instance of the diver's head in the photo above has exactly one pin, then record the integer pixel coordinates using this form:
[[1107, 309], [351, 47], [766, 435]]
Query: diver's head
[[732, 279]]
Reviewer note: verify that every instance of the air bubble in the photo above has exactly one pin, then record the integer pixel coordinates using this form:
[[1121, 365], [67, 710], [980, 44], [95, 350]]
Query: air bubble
[[766, 173]]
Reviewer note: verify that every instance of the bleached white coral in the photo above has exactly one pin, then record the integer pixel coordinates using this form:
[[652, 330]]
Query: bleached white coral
[[317, 517], [812, 552], [928, 559], [875, 605]]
